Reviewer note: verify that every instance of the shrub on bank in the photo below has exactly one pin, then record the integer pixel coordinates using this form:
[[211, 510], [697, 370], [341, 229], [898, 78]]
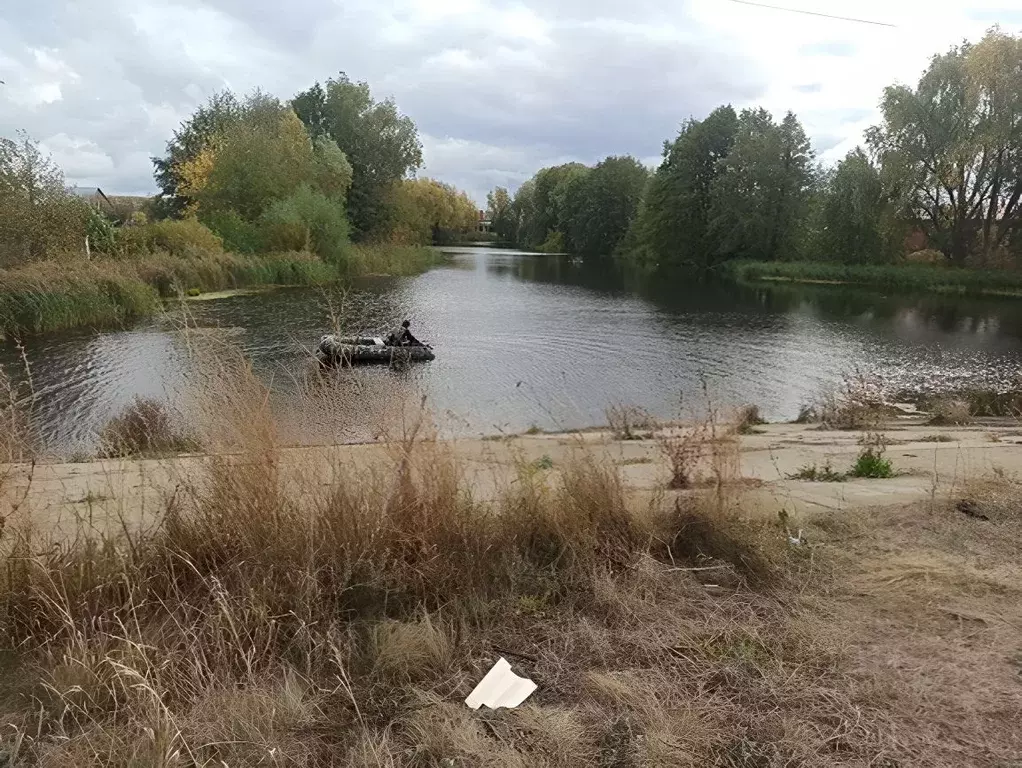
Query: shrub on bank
[[182, 237], [178, 237]]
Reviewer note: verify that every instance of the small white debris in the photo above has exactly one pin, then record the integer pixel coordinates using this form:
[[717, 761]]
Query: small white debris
[[500, 688]]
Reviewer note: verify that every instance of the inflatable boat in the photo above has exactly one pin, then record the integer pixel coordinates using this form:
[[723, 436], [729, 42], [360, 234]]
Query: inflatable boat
[[342, 350]]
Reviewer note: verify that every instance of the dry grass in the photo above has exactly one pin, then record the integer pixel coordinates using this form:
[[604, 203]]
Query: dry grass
[[629, 422], [949, 412], [934, 595], [747, 419], [16, 440], [272, 620], [683, 448], [144, 429], [858, 403]]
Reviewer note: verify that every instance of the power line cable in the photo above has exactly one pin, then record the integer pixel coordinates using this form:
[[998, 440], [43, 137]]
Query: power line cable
[[814, 13]]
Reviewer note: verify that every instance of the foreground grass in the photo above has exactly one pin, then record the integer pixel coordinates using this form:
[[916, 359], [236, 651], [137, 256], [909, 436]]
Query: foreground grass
[[268, 619], [909, 277], [52, 296]]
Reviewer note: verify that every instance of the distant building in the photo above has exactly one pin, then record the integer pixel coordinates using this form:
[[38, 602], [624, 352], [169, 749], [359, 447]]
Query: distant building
[[485, 225]]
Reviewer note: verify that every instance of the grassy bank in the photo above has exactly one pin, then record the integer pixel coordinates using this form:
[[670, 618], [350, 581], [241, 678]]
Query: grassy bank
[[268, 619], [51, 295], [907, 277]]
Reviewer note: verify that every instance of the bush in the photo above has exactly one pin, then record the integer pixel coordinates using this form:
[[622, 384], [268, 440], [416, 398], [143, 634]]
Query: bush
[[926, 256], [178, 237], [747, 418], [101, 232], [683, 449], [857, 404], [307, 220], [145, 428], [980, 402], [553, 244], [871, 462], [237, 234], [183, 237]]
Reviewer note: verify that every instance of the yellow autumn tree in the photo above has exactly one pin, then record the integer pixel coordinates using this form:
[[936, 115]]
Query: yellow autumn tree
[[193, 176], [426, 210]]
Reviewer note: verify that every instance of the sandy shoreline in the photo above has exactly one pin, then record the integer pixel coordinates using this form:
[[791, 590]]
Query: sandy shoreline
[[132, 491]]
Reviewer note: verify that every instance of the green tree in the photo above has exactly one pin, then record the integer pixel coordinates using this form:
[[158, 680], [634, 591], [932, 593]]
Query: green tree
[[541, 208], [332, 169], [951, 148], [264, 155], [523, 208], [500, 210], [852, 219], [760, 199], [191, 139], [598, 207], [673, 226], [381, 144]]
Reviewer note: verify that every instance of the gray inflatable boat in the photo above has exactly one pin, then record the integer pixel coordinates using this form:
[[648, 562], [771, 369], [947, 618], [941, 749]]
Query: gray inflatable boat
[[350, 350]]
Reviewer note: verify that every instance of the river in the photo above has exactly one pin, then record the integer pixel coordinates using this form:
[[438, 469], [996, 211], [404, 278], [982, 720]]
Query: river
[[525, 340]]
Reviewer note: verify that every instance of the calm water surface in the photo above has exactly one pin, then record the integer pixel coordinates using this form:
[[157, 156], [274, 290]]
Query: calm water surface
[[523, 340]]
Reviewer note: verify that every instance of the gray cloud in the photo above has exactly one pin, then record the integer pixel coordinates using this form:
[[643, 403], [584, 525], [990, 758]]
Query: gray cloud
[[498, 88]]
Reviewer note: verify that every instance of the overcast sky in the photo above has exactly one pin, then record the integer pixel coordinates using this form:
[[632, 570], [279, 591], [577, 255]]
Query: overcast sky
[[497, 88]]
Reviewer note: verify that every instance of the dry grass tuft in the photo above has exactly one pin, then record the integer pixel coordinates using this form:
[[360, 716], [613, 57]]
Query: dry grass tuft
[[412, 650], [858, 403], [17, 443], [949, 412], [629, 422], [747, 418], [684, 449], [145, 429], [756, 548]]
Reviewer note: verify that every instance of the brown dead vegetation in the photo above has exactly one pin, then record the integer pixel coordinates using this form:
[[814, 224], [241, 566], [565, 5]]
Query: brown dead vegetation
[[344, 625]]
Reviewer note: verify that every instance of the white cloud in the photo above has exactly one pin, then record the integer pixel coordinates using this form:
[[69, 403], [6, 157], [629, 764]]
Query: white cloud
[[850, 63], [498, 87]]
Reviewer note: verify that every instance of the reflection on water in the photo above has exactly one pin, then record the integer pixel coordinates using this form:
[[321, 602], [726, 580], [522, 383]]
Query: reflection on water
[[524, 340]]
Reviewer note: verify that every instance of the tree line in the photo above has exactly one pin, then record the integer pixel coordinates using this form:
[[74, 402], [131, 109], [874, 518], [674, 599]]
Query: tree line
[[939, 179], [260, 174]]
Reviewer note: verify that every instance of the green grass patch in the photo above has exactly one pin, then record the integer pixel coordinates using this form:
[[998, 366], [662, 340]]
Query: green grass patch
[[915, 277], [872, 464], [815, 474]]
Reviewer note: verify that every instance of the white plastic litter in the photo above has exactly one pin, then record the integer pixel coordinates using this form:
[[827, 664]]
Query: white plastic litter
[[500, 688]]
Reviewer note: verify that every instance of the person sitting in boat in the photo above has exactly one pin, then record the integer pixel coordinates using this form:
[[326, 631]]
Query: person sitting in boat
[[402, 337]]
